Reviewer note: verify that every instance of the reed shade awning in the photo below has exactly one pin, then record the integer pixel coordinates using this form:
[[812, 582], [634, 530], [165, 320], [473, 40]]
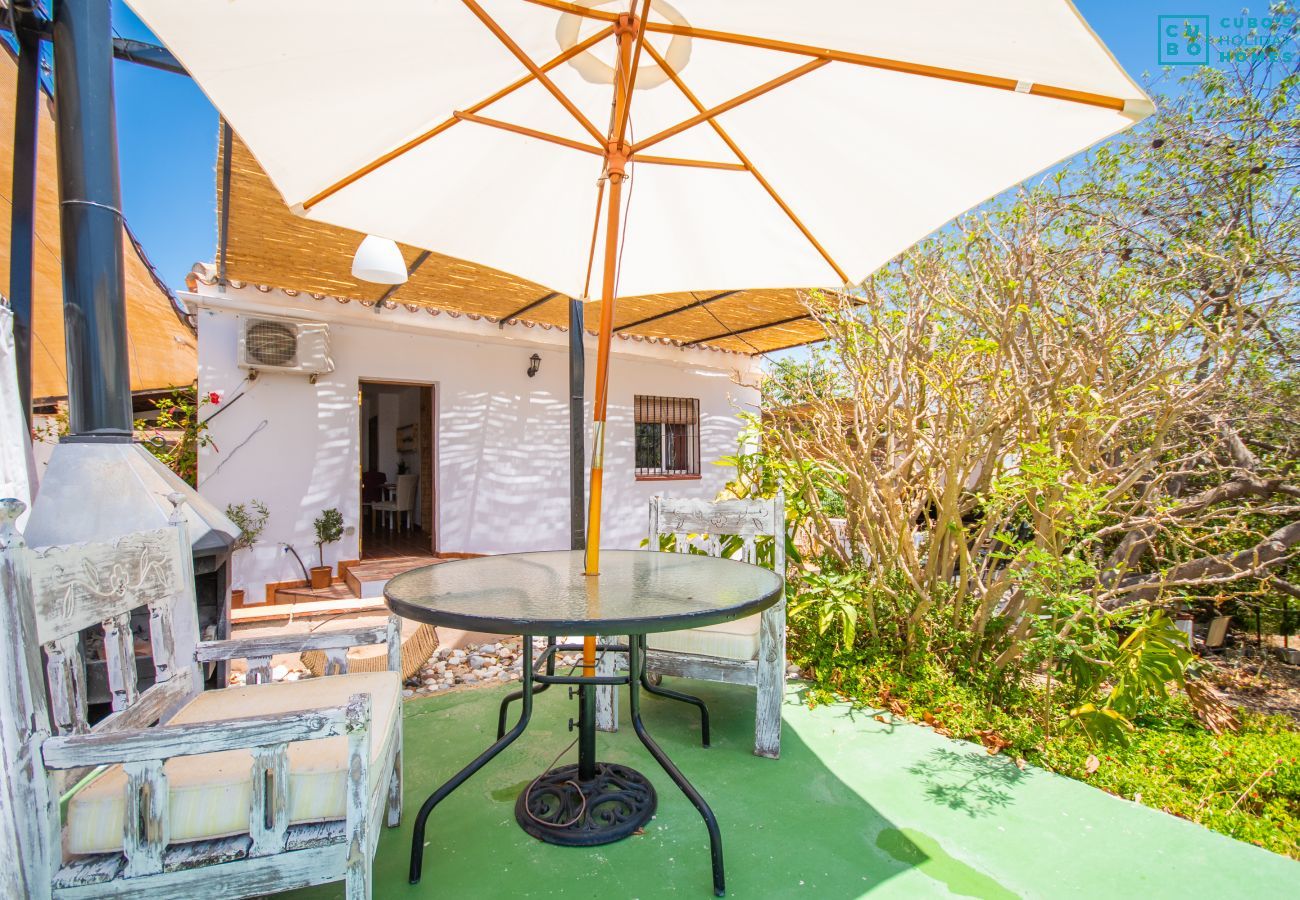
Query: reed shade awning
[[267, 244], [769, 144]]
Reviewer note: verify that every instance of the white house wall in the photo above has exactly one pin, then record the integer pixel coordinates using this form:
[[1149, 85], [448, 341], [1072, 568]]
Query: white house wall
[[502, 438]]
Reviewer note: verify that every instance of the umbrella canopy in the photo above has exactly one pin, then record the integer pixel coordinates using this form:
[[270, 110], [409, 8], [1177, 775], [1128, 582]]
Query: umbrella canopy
[[440, 123], [773, 144]]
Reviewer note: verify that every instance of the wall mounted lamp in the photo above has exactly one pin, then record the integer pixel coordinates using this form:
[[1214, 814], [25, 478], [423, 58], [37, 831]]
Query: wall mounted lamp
[[534, 363]]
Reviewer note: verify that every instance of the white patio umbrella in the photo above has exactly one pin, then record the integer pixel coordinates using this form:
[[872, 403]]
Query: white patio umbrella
[[692, 145]]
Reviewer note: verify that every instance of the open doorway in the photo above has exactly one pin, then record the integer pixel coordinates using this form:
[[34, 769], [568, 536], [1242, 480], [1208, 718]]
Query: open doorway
[[398, 512]]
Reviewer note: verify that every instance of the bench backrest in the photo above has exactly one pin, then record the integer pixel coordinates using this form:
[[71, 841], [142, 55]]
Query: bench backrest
[[100, 585], [708, 525]]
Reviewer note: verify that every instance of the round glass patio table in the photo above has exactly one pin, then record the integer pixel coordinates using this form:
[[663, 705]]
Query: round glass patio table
[[548, 594]]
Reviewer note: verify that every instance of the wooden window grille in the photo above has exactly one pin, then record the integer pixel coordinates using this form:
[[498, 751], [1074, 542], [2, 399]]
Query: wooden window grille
[[667, 437]]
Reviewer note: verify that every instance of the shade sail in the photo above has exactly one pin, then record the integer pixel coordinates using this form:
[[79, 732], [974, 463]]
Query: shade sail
[[162, 349], [894, 122]]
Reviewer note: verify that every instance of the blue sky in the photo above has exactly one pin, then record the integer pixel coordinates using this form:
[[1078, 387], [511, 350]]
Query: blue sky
[[167, 130]]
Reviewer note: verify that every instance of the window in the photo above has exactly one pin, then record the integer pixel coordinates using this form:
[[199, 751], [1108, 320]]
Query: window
[[667, 437]]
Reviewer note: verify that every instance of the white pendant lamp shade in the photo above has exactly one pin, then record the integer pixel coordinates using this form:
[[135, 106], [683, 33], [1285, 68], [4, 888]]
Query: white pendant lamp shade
[[379, 260]]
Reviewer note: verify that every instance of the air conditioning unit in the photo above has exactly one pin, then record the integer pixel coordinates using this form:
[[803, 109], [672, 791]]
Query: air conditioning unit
[[280, 345]]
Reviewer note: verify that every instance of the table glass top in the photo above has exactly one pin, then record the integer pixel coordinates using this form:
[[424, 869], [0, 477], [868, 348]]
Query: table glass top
[[547, 593]]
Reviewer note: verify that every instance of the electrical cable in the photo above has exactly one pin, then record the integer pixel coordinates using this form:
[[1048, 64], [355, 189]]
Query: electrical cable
[[230, 402], [252, 434], [290, 548]]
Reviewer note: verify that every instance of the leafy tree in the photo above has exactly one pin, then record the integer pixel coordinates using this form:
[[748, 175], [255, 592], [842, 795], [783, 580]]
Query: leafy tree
[[1069, 411]]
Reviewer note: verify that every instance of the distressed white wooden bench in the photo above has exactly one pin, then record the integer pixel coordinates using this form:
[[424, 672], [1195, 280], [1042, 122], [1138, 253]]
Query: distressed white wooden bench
[[179, 792], [748, 651]]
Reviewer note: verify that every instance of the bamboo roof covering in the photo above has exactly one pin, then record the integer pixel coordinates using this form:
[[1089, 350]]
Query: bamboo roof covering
[[162, 346], [743, 321], [266, 244]]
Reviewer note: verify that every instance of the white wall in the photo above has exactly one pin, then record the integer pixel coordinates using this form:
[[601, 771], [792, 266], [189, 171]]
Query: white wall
[[501, 461]]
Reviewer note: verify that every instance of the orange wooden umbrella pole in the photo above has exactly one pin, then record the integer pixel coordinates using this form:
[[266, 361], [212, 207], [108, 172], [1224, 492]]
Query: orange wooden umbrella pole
[[613, 212], [626, 32]]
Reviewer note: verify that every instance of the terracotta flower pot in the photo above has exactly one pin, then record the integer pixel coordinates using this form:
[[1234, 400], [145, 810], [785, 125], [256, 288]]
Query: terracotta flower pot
[[320, 577]]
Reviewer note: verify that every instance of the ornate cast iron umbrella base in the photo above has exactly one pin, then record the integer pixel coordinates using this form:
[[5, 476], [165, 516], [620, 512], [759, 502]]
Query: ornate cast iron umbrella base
[[619, 801]]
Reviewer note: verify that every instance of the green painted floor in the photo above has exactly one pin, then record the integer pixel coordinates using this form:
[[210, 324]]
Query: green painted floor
[[853, 808]]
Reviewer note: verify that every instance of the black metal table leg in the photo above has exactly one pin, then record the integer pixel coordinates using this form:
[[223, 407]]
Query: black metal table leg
[[417, 838], [684, 698], [537, 689], [636, 670]]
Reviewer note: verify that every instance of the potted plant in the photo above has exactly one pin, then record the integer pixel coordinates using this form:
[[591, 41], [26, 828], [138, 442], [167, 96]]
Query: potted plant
[[329, 528], [251, 519]]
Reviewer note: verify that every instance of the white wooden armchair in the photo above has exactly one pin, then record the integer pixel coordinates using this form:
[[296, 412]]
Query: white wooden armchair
[[228, 793], [748, 651]]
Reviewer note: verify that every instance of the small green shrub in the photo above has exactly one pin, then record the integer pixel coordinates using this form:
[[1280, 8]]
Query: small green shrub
[[250, 519], [329, 528]]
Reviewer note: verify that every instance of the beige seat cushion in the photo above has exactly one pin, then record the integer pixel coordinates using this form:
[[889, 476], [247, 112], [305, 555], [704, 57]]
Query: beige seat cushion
[[729, 640], [211, 793]]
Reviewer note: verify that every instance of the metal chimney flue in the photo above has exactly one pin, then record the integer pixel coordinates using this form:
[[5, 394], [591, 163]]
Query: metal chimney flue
[[94, 287], [99, 485]]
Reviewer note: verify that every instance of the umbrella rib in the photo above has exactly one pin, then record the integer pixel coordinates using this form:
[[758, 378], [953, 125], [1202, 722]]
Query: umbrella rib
[[438, 129], [694, 163], [530, 132], [575, 9], [595, 236], [740, 155], [532, 67], [709, 114], [1054, 92], [596, 151]]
